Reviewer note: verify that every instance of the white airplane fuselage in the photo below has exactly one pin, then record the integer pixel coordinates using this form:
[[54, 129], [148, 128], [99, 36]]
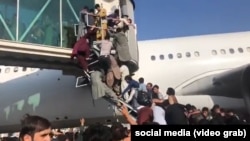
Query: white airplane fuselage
[[174, 72], [185, 63]]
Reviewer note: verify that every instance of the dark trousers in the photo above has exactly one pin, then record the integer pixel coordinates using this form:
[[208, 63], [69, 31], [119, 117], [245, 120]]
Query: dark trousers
[[104, 63]]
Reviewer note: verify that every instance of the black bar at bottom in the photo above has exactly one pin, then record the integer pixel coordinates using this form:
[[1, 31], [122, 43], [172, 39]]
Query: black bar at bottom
[[163, 132]]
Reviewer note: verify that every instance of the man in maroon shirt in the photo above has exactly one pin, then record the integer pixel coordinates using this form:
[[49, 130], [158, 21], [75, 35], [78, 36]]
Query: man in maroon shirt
[[81, 51]]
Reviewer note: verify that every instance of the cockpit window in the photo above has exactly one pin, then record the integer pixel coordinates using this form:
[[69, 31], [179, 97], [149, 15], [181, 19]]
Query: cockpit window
[[231, 51], [152, 57], [161, 57], [170, 56]]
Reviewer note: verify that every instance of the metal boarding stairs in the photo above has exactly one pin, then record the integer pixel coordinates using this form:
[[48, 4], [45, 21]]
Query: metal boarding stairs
[[85, 76], [95, 53]]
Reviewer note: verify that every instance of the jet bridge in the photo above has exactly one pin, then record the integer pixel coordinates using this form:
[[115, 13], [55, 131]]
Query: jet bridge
[[41, 34]]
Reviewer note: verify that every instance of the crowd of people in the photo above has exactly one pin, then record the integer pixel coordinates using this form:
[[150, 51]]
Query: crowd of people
[[102, 40], [156, 111], [113, 78]]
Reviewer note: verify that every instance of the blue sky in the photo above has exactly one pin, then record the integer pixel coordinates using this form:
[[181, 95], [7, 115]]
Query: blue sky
[[157, 19]]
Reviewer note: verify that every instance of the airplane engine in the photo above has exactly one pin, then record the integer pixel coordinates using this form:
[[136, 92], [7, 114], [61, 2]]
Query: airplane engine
[[233, 84]]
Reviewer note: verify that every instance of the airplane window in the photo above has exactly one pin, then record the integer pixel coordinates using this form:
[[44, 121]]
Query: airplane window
[[162, 57], [222, 51], [179, 55], [231, 50], [248, 49], [7, 70], [24, 68], [188, 54], [214, 52], [240, 50], [196, 53], [153, 57], [16, 69], [170, 56]]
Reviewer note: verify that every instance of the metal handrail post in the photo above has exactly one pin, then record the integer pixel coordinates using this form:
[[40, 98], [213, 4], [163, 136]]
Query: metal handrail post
[[17, 19], [61, 27]]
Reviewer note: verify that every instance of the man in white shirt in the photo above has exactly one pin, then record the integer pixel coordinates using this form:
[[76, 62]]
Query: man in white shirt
[[124, 72], [159, 115]]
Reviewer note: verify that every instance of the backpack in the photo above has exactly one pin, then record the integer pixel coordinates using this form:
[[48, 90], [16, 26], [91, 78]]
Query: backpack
[[143, 98]]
